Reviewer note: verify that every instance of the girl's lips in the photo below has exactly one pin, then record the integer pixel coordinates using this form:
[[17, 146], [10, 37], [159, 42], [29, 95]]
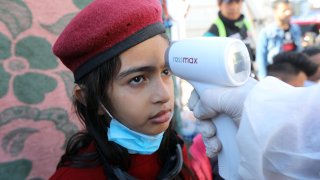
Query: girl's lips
[[161, 117]]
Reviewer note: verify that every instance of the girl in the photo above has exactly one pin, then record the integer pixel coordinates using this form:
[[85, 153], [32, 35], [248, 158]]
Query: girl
[[123, 95]]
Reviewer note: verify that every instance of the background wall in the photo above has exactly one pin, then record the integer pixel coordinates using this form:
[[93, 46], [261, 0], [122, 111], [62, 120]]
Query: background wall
[[35, 88]]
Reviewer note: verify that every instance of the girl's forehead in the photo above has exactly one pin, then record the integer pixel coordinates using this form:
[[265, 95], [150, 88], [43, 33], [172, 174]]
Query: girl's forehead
[[147, 52], [143, 64]]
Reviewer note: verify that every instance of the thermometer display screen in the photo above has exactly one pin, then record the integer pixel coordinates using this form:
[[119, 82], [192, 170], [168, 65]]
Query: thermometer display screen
[[239, 62]]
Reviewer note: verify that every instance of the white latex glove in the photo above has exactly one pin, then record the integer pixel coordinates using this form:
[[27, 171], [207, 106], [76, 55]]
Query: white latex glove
[[211, 102], [226, 100], [210, 140]]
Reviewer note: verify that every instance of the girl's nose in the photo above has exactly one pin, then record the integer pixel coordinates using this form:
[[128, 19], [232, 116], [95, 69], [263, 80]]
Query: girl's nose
[[162, 91]]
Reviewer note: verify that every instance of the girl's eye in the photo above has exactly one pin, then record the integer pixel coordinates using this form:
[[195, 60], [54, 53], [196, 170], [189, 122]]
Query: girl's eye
[[166, 72], [137, 80]]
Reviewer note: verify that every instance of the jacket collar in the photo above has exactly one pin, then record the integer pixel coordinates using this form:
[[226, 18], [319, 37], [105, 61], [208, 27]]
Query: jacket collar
[[231, 23]]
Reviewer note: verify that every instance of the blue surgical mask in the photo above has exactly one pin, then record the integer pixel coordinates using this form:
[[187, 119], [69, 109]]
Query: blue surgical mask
[[135, 142]]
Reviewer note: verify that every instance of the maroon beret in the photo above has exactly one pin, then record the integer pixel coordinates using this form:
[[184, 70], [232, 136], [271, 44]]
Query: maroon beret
[[104, 29]]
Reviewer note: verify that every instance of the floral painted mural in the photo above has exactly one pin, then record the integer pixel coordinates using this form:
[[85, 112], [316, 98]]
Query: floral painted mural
[[36, 116]]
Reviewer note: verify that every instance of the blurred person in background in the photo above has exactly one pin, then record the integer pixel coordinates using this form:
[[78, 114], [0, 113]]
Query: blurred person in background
[[279, 36], [314, 55], [287, 73], [167, 21], [230, 22], [175, 13], [293, 68]]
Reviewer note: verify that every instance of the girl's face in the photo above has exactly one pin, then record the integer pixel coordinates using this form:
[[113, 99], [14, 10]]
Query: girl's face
[[142, 92]]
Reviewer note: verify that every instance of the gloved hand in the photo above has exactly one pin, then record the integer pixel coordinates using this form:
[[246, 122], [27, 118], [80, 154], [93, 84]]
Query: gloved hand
[[211, 102], [226, 100], [210, 140]]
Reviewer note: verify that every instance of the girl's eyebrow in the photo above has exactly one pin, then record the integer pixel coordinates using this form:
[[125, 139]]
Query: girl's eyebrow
[[135, 70]]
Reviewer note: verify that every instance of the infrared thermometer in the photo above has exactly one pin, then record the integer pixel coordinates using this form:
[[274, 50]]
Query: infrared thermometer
[[210, 62]]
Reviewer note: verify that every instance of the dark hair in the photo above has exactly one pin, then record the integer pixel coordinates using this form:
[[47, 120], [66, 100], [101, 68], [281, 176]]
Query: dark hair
[[228, 1], [94, 86], [298, 60], [311, 50], [282, 68], [275, 3], [284, 71]]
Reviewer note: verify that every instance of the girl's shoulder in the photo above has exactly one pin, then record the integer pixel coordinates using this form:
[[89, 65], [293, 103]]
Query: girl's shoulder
[[94, 173], [91, 172]]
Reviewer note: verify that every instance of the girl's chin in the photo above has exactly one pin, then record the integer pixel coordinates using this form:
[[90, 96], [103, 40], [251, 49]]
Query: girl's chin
[[157, 130]]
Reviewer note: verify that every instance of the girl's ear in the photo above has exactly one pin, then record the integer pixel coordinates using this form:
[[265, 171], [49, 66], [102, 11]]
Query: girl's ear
[[79, 94]]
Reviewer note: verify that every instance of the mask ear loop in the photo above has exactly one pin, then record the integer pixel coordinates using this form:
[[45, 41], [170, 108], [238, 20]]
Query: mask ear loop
[[115, 171], [105, 110]]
